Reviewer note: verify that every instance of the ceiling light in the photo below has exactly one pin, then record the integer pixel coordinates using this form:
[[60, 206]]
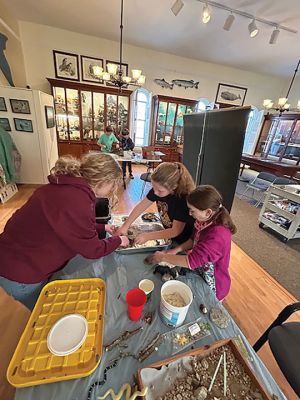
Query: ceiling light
[[206, 14], [177, 7], [228, 23], [253, 30], [274, 36]]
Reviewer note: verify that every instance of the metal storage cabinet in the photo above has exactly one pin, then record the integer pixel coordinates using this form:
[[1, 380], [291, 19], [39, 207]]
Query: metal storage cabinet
[[280, 195]]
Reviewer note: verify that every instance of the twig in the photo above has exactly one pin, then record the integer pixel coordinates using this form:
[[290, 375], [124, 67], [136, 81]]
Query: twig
[[215, 374], [126, 335], [148, 350], [225, 374]]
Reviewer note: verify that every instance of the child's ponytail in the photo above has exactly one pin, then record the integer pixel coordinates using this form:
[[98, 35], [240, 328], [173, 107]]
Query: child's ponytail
[[206, 196]]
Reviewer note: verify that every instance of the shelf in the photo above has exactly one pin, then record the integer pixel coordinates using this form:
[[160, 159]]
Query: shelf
[[279, 211]]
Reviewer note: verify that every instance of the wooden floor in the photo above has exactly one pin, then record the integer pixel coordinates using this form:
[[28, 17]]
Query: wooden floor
[[255, 298]]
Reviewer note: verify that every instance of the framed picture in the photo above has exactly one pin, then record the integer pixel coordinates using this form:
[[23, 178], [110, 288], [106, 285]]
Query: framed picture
[[20, 106], [66, 65], [23, 125], [87, 64], [4, 123], [124, 69], [230, 95], [2, 104], [49, 113]]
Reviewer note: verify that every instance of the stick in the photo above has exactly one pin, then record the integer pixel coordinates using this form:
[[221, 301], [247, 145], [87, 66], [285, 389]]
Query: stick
[[215, 374], [126, 335], [225, 374]]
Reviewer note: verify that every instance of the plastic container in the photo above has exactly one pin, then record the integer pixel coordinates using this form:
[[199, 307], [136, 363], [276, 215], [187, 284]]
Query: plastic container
[[147, 286], [135, 299], [170, 314]]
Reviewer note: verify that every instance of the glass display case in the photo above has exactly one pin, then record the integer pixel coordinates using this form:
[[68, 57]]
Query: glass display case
[[82, 112], [280, 138], [169, 119]]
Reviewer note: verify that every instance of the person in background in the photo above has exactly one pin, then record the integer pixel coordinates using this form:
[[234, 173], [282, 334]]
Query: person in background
[[171, 183], [57, 223], [209, 253], [107, 139], [127, 145]]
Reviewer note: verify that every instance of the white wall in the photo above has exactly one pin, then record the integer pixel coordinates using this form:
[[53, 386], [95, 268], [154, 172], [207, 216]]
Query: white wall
[[38, 41], [13, 50]]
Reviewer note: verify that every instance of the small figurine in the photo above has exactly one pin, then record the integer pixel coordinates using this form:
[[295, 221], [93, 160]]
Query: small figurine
[[203, 309]]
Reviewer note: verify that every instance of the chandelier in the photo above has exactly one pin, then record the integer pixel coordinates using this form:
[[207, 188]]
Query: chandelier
[[282, 104], [114, 73]]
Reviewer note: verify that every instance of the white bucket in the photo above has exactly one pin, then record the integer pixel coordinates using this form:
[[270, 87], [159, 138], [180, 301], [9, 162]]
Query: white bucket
[[171, 315]]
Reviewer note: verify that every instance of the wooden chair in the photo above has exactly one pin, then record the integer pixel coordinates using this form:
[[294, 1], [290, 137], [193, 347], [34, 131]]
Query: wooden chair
[[13, 319]]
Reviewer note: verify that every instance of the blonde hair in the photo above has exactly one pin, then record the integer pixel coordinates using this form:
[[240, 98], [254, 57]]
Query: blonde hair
[[207, 196], [95, 168], [174, 177]]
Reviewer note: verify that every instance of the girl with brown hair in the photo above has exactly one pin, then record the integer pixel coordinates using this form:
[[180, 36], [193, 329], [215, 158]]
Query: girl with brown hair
[[210, 246], [171, 183], [57, 223]]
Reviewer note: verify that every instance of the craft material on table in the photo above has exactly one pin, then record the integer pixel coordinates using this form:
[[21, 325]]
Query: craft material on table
[[136, 300], [125, 336], [126, 388], [32, 362], [174, 315], [218, 317], [150, 348], [203, 374], [147, 286], [122, 272]]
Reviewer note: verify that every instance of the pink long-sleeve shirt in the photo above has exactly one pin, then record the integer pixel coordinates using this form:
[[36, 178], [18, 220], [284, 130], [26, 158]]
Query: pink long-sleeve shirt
[[210, 257]]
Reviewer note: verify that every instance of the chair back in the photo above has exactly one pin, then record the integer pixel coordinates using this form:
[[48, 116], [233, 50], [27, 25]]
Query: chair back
[[266, 176], [281, 180]]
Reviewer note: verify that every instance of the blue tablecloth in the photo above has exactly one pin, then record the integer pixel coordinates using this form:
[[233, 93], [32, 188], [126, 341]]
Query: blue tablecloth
[[121, 273]]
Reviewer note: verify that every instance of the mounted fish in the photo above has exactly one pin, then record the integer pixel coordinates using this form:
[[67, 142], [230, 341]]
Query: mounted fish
[[185, 83], [230, 96], [164, 84]]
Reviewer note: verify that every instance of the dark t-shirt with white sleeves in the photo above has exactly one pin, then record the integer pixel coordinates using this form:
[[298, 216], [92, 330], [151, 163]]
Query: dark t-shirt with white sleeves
[[173, 207]]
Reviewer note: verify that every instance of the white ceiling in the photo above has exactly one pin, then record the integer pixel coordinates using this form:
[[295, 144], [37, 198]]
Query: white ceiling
[[151, 24]]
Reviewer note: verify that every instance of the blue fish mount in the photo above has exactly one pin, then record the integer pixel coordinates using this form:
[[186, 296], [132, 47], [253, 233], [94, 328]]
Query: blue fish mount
[[4, 66]]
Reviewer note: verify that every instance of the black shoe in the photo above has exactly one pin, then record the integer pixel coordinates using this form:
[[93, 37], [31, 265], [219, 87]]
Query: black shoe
[[131, 176]]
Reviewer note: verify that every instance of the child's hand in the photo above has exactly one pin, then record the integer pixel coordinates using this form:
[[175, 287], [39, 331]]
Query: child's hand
[[124, 241], [157, 257], [121, 231], [111, 229], [171, 251], [141, 238]]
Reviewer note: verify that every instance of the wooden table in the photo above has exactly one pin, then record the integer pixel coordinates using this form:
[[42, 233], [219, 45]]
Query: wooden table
[[276, 168]]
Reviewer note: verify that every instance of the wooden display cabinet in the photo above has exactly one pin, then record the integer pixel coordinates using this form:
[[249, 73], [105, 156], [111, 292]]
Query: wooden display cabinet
[[167, 125], [83, 111]]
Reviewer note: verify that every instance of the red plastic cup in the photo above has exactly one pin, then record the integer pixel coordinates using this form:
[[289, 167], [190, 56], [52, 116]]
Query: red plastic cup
[[135, 299]]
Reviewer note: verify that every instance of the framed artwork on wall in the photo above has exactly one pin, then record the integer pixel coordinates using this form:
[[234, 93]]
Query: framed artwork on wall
[[49, 113], [4, 123], [2, 104], [124, 69], [87, 65], [20, 106], [230, 95], [23, 125], [66, 65]]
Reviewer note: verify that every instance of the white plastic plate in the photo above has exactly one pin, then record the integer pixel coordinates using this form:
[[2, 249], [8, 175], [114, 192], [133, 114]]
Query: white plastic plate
[[67, 334]]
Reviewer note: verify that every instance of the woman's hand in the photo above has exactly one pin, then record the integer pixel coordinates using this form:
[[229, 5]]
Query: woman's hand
[[111, 229], [141, 238], [121, 231], [124, 241]]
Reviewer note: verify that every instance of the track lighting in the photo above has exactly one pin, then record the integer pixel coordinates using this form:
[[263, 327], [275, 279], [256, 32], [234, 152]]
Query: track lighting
[[177, 7], [228, 23], [206, 14], [274, 36], [253, 30]]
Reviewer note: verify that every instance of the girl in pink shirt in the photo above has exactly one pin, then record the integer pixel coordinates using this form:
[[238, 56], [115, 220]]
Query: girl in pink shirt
[[208, 250]]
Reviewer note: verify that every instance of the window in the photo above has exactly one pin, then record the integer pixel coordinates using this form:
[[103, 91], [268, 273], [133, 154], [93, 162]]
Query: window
[[203, 104], [141, 116]]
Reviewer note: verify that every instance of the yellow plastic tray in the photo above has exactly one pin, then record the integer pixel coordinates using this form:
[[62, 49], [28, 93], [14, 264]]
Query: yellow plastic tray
[[32, 362]]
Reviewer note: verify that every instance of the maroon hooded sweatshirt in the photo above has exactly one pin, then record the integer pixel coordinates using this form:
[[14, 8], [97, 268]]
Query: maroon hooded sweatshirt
[[56, 224]]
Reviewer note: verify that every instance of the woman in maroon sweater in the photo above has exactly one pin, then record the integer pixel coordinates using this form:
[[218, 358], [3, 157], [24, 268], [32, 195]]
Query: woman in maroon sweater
[[56, 224]]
